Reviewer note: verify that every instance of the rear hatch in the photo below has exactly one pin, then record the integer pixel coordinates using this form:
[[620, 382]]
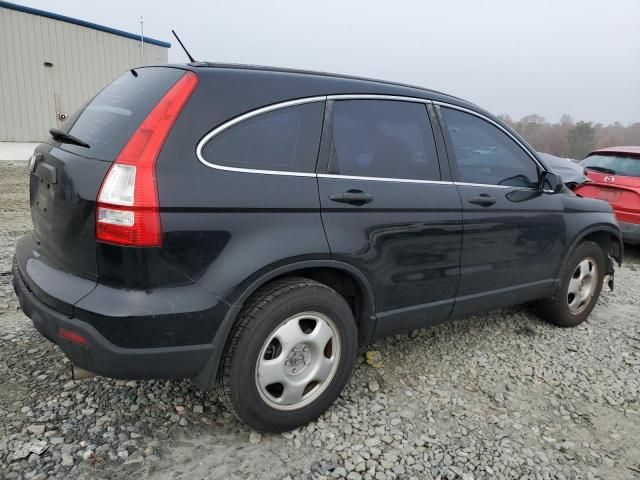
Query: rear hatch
[[614, 178], [66, 178]]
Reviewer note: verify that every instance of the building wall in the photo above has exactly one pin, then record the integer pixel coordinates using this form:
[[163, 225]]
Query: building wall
[[84, 60]]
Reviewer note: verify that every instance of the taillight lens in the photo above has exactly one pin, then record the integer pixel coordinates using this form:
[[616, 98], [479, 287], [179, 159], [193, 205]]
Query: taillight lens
[[128, 211]]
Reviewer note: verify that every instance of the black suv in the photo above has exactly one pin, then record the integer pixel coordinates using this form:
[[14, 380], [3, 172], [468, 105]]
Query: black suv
[[252, 227]]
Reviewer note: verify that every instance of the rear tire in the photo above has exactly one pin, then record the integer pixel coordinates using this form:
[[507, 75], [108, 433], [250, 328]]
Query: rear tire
[[581, 281], [289, 355]]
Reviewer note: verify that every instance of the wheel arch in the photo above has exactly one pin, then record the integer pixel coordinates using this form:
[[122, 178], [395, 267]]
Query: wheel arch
[[607, 236], [347, 280]]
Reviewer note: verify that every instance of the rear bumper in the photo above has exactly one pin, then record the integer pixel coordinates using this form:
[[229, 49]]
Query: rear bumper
[[97, 354], [630, 232]]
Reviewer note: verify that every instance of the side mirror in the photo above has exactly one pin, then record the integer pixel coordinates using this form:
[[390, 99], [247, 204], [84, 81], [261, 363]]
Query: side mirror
[[551, 182]]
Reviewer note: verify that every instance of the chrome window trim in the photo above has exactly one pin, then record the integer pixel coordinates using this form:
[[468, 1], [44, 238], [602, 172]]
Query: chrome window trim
[[494, 123], [253, 113], [358, 96], [467, 184], [488, 185], [383, 179], [290, 103], [369, 96], [410, 180]]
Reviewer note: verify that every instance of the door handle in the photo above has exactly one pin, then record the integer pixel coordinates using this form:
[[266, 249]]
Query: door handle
[[483, 199], [353, 197]]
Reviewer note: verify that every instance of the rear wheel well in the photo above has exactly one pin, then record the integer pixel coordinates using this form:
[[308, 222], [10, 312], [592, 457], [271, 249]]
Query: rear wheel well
[[348, 287]]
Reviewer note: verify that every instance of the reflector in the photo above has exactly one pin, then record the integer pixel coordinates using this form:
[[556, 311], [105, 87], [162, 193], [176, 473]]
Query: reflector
[[72, 336]]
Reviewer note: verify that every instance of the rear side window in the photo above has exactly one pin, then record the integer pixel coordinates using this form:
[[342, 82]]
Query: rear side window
[[486, 155], [383, 138], [108, 121], [286, 139]]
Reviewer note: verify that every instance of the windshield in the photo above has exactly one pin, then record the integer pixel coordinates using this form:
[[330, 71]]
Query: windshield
[[625, 165]]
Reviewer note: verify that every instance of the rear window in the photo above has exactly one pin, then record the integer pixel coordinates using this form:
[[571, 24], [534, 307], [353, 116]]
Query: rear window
[[108, 121], [625, 165]]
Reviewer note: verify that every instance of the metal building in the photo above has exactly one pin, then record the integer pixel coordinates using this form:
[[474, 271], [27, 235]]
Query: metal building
[[51, 64]]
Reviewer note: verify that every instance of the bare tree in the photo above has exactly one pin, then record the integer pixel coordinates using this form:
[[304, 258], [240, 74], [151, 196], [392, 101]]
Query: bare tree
[[567, 138]]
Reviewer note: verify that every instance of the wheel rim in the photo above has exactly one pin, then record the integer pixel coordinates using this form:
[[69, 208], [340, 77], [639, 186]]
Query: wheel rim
[[298, 361], [582, 286]]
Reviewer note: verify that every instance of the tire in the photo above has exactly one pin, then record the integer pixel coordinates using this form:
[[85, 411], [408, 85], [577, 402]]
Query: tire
[[276, 347], [567, 308]]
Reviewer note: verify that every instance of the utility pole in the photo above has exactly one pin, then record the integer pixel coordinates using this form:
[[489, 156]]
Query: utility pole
[[141, 40]]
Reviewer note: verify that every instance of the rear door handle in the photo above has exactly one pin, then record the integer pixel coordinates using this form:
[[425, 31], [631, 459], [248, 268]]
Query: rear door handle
[[483, 199], [353, 197]]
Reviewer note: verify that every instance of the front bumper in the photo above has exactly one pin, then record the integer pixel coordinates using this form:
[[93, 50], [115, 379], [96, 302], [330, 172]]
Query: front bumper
[[630, 232], [101, 356]]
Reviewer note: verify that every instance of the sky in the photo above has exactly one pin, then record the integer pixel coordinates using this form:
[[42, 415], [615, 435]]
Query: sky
[[519, 57]]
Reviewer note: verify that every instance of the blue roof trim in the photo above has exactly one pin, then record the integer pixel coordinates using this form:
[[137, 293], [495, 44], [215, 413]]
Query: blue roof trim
[[82, 23]]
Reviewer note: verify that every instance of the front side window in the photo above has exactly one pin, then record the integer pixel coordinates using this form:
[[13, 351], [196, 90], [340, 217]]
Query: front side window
[[383, 138], [486, 155], [286, 139]]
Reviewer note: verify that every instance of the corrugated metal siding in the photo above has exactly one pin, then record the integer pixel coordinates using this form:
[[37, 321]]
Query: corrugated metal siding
[[84, 61]]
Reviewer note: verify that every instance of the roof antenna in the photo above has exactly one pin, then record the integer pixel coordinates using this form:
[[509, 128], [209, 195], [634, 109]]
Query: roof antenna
[[183, 47], [141, 40]]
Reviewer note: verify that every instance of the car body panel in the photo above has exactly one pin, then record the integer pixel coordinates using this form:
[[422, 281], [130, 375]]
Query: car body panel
[[407, 242], [511, 248], [62, 194]]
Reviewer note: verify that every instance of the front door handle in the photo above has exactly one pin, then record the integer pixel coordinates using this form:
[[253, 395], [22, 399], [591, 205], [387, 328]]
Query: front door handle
[[483, 199], [353, 197]]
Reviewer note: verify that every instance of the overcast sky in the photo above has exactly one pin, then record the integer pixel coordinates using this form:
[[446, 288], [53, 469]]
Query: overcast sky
[[550, 57]]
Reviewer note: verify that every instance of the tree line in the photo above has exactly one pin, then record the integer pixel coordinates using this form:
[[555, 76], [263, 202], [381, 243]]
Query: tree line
[[571, 139]]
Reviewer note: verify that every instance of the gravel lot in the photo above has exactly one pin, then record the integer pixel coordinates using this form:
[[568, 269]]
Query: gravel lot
[[502, 395]]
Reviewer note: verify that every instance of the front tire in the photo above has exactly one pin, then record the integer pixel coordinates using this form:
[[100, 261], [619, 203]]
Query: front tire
[[581, 282], [289, 356]]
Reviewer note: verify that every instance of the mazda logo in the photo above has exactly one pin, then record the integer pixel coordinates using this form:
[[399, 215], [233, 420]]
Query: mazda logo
[[609, 179]]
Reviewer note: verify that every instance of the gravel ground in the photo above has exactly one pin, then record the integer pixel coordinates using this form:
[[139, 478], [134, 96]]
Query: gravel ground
[[501, 395]]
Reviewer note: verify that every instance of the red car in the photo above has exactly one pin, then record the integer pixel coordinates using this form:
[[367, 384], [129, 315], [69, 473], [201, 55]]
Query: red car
[[614, 175]]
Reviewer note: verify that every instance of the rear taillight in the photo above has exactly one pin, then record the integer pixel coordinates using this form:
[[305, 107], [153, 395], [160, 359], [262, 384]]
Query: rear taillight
[[128, 212]]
